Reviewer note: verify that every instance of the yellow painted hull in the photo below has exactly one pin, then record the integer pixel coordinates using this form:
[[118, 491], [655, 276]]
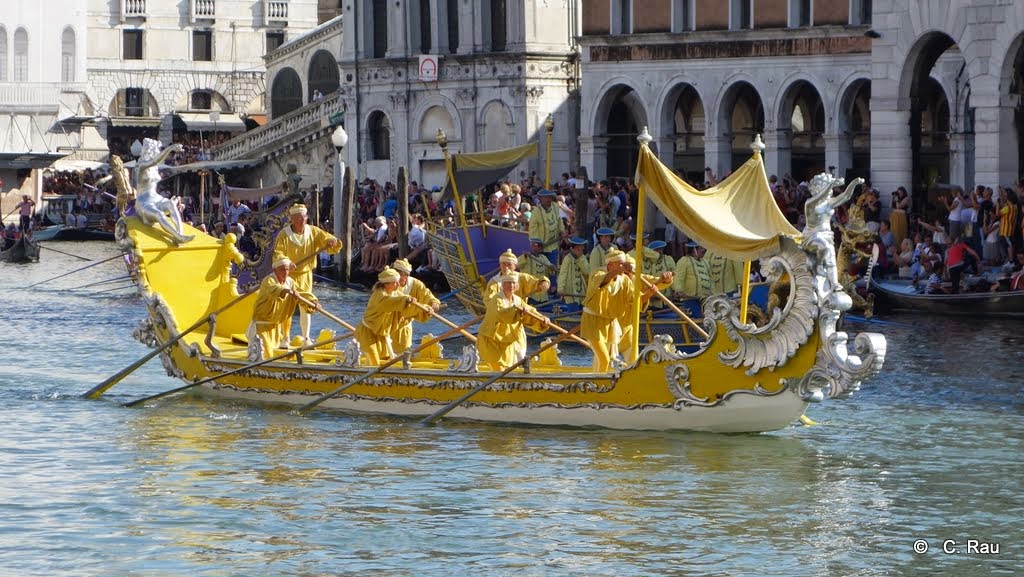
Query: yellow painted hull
[[710, 390]]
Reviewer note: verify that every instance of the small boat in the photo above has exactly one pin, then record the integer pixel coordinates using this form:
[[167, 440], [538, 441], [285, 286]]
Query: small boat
[[899, 295], [741, 378], [21, 250]]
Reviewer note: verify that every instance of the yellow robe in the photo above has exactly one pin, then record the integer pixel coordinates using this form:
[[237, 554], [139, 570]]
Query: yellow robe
[[655, 264], [692, 277], [528, 284], [597, 257], [538, 266], [601, 311], [572, 278], [274, 305], [401, 337], [380, 320], [298, 247], [726, 275], [547, 225], [501, 341], [626, 318]]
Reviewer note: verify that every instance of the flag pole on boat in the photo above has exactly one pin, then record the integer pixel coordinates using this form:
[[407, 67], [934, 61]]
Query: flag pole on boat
[[644, 138], [549, 129], [758, 147], [442, 140]]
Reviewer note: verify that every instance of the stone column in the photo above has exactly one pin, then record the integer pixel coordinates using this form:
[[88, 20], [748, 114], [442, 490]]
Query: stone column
[[995, 145], [839, 152], [778, 157], [655, 220], [468, 26], [398, 30], [891, 161], [594, 155], [958, 161], [718, 154], [439, 26]]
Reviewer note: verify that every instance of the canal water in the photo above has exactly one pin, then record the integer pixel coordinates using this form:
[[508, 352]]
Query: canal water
[[930, 450]]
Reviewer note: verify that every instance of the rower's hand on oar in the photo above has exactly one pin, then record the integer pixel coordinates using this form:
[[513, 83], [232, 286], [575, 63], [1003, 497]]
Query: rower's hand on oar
[[667, 276], [435, 306], [410, 301]]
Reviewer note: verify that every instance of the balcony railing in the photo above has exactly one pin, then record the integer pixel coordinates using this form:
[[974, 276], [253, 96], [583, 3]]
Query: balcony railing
[[277, 135], [202, 10], [133, 9], [275, 12]]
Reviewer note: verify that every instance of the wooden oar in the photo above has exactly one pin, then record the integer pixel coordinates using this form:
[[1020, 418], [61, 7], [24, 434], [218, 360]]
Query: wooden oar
[[678, 311], [324, 311], [427, 309], [394, 360], [452, 405], [64, 253], [120, 375], [559, 329], [76, 270], [108, 281], [238, 370]]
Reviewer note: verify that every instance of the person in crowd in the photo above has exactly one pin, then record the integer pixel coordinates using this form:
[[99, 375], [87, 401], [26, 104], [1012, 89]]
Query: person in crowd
[[235, 210], [604, 244], [401, 335], [536, 264], [501, 341], [546, 224], [957, 261], [25, 209], [574, 273], [382, 317], [300, 242], [276, 299], [378, 237], [71, 219], [692, 276], [904, 259]]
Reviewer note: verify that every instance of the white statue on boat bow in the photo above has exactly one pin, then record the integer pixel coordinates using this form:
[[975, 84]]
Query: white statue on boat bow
[[150, 206]]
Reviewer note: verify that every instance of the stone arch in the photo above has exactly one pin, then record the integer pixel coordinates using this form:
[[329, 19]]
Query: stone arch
[[741, 115], [21, 56], [285, 92], [436, 112], [608, 94], [202, 99], [323, 74], [801, 114], [3, 53], [683, 122], [133, 101], [378, 135], [1011, 90], [853, 124], [68, 54], [496, 126], [621, 114]]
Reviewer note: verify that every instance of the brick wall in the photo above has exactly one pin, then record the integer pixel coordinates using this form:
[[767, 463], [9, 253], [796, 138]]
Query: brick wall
[[712, 14], [652, 16], [771, 13], [831, 12], [596, 16]]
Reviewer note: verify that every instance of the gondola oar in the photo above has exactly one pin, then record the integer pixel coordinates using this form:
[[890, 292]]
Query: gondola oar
[[108, 281], [64, 253], [238, 370], [678, 311], [427, 309], [452, 405], [387, 364], [560, 330], [324, 312], [76, 270], [120, 375]]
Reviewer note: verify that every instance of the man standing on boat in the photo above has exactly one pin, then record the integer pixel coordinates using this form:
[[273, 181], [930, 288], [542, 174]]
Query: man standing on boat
[[275, 303], [726, 274], [401, 336], [380, 320], [501, 341], [692, 279], [604, 242], [609, 292], [25, 208], [625, 318], [574, 272], [546, 224], [299, 242], [536, 264], [526, 284]]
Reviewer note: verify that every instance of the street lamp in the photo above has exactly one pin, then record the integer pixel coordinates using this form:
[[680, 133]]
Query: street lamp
[[136, 148], [339, 138]]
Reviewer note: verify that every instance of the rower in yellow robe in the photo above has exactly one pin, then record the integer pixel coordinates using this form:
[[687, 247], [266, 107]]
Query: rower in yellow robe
[[536, 264], [298, 241], [604, 244], [275, 303], [501, 341], [382, 317], [546, 223], [726, 274], [401, 337], [574, 272], [655, 263], [692, 278], [528, 283], [609, 292], [661, 281]]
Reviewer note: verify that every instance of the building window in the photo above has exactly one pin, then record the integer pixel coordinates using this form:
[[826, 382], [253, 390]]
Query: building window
[[201, 100], [133, 45], [453, 26], [499, 26], [3, 54], [682, 15], [202, 45], [741, 14], [380, 136], [67, 55], [622, 17], [274, 40], [799, 13], [425, 26], [860, 12], [21, 55], [134, 99], [380, 28]]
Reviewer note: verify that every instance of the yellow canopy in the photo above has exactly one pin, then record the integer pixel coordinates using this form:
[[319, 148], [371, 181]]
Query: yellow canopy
[[737, 218], [474, 170]]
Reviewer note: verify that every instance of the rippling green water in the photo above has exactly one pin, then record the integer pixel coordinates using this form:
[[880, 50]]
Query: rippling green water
[[929, 450]]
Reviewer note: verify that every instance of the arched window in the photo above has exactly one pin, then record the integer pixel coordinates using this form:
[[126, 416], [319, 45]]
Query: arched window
[[3, 54], [286, 93], [21, 55], [380, 136], [67, 55], [323, 75]]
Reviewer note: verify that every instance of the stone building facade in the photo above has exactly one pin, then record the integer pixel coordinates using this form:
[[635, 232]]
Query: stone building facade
[[903, 92]]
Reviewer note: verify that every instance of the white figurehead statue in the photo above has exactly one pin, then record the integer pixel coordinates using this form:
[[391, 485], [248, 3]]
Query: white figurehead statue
[[150, 206]]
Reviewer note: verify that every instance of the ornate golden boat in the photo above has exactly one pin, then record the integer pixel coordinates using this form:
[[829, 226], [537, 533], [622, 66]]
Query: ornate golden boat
[[743, 378]]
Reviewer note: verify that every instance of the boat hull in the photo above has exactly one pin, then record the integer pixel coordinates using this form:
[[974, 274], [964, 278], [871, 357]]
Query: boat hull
[[898, 296]]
